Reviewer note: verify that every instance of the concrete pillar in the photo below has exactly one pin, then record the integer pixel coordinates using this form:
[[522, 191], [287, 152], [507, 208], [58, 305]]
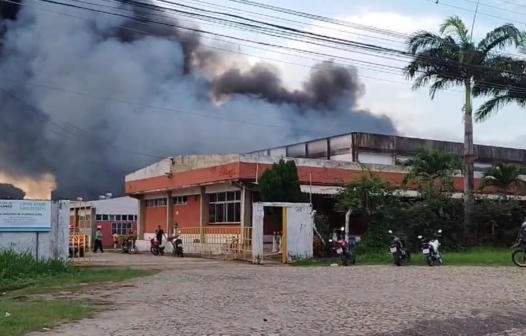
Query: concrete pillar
[[141, 217], [169, 214], [203, 213], [246, 207]]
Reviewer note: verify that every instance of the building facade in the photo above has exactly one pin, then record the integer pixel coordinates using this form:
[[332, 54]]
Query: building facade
[[218, 190], [113, 215]]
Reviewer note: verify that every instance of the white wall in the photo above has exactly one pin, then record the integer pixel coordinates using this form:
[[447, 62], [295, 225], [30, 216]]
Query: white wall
[[44, 245], [300, 232], [374, 158]]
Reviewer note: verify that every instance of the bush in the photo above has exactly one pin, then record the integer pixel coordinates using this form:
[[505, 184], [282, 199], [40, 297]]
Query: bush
[[18, 270], [380, 204]]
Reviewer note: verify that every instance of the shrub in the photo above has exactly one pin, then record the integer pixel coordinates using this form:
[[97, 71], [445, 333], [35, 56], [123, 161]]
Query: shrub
[[18, 270]]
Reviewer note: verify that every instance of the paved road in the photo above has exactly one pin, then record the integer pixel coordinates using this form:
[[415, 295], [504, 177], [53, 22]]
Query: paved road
[[223, 298]]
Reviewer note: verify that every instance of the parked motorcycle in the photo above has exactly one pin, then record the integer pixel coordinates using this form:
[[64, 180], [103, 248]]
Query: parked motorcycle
[[155, 247], [430, 249], [177, 244], [128, 246], [399, 250], [518, 254], [343, 251]]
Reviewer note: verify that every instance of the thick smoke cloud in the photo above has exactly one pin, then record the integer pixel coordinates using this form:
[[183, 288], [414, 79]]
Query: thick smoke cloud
[[9, 191], [90, 143]]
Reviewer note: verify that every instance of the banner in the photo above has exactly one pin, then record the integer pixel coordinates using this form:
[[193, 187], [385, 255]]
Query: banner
[[25, 216]]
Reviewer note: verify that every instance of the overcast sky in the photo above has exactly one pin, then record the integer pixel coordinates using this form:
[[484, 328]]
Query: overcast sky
[[386, 90]]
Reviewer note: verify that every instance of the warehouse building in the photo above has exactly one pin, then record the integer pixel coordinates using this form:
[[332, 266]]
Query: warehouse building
[[217, 191]]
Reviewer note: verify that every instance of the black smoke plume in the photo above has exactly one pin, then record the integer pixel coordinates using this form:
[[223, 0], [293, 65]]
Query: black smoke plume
[[8, 191], [89, 97]]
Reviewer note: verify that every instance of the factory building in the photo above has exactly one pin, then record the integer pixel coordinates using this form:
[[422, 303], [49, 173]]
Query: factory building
[[112, 215], [217, 191]]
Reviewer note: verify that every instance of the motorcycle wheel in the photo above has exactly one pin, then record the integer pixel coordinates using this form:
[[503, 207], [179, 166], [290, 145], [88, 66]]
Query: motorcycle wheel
[[133, 250], [154, 250], [429, 260], [518, 258], [345, 260], [397, 260], [353, 260]]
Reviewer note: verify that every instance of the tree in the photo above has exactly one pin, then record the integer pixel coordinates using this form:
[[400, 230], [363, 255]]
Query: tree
[[378, 201], [280, 183], [504, 177], [450, 59], [504, 88], [431, 166]]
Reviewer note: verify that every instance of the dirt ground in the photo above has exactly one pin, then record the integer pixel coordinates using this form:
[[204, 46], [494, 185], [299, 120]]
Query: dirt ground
[[212, 297]]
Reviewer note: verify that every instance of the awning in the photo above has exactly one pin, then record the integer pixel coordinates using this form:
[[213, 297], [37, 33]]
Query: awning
[[320, 190], [333, 190]]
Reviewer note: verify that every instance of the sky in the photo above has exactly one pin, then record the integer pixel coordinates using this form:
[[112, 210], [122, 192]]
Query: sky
[[387, 92]]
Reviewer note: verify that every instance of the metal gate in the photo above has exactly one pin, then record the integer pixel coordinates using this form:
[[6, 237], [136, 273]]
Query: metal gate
[[222, 243], [80, 233]]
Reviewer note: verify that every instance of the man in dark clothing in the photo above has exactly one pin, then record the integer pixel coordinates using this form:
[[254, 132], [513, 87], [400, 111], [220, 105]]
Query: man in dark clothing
[[98, 241], [159, 234]]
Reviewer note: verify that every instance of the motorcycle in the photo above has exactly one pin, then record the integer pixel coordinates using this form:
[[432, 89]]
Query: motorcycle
[[342, 249], [155, 247], [399, 250], [430, 249], [518, 254], [177, 244], [128, 246]]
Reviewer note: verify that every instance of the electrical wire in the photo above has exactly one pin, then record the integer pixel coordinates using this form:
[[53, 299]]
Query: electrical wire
[[482, 84], [143, 105]]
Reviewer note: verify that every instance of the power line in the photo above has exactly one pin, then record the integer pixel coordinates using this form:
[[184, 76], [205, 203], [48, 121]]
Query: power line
[[147, 106], [378, 49]]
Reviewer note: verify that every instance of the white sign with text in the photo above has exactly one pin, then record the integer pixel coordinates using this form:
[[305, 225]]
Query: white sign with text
[[25, 216]]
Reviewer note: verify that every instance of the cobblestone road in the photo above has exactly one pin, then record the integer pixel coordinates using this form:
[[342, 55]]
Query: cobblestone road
[[214, 298]]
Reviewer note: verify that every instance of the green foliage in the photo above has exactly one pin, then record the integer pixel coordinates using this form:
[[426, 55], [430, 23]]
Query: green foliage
[[374, 199], [384, 207], [281, 183], [22, 269], [451, 58], [432, 167], [503, 177]]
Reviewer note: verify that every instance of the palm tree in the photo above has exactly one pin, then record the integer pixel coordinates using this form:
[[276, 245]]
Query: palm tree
[[503, 177], [430, 165], [504, 88], [450, 59]]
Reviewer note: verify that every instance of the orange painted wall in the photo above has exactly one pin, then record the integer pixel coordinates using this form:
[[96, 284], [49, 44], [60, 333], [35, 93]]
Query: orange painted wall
[[248, 171], [186, 179], [153, 217], [187, 215], [72, 220]]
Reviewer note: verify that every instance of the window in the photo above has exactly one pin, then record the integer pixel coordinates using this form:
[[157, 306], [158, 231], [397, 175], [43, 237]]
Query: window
[[134, 217], [180, 200], [118, 217], [99, 217], [225, 207], [120, 228], [112, 217], [156, 202], [104, 217]]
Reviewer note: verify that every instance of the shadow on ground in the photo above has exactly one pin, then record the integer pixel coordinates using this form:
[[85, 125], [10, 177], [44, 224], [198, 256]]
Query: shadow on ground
[[491, 322]]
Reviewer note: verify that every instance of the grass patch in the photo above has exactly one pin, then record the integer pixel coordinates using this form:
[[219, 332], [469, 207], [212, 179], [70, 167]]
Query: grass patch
[[474, 257], [79, 278], [28, 316], [22, 276]]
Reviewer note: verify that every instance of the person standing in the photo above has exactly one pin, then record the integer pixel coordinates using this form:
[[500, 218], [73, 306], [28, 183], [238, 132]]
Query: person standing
[[98, 241], [115, 241], [159, 234]]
